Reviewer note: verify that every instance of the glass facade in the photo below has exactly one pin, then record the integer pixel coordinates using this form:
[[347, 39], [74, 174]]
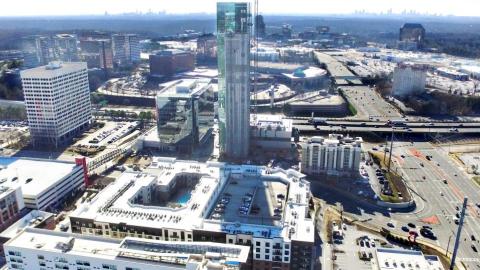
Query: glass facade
[[185, 120], [233, 55]]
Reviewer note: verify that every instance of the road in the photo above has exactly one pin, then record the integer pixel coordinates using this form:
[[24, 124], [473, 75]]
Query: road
[[385, 129], [433, 209], [437, 201], [369, 104]]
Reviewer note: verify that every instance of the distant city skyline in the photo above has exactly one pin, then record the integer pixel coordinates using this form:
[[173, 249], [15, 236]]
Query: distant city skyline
[[297, 7]]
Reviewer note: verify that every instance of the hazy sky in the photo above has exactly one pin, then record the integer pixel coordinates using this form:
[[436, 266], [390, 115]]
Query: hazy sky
[[82, 7]]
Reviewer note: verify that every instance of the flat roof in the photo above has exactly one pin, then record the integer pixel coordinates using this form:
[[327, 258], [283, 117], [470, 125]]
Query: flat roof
[[153, 251], [388, 259], [45, 72], [30, 220], [309, 72], [114, 203], [183, 88], [272, 120], [44, 173]]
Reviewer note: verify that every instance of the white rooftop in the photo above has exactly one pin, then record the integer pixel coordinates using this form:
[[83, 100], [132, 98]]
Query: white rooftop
[[388, 259], [266, 120], [310, 72], [41, 174], [183, 87], [128, 249], [30, 220], [53, 69], [114, 203]]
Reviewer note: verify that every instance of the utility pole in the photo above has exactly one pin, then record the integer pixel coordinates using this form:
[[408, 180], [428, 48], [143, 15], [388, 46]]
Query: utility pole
[[459, 231], [390, 154]]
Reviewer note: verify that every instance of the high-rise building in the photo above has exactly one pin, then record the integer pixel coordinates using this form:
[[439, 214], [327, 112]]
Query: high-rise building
[[411, 36], [233, 42], [206, 49], [44, 49], [259, 26], [57, 101], [66, 48], [408, 79], [97, 53], [335, 155], [126, 48]]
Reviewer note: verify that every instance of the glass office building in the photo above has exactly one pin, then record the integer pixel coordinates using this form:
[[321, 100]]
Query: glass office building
[[233, 54], [185, 115]]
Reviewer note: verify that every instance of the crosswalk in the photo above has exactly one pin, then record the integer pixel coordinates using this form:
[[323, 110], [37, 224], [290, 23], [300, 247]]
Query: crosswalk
[[469, 259]]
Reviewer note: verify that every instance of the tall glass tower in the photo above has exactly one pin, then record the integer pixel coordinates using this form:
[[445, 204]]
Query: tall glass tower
[[233, 53]]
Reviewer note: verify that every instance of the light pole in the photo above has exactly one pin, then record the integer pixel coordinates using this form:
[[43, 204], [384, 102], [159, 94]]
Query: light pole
[[459, 231]]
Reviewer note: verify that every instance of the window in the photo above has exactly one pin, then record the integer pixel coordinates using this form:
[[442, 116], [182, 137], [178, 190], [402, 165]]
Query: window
[[257, 256], [267, 244], [257, 244], [109, 266], [257, 249], [230, 241], [267, 257]]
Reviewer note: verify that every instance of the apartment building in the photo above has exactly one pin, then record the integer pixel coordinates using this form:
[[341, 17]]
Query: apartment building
[[334, 155]]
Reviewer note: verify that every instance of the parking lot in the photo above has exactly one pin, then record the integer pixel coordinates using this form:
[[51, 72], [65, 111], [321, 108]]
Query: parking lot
[[251, 200], [110, 133]]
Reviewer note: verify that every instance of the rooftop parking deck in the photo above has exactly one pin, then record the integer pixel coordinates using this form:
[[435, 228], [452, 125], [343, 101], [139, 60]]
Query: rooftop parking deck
[[251, 200]]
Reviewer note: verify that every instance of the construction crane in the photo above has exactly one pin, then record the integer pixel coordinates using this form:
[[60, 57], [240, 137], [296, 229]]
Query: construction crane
[[255, 58]]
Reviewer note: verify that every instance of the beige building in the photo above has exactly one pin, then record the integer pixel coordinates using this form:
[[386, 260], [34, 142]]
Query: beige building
[[335, 155]]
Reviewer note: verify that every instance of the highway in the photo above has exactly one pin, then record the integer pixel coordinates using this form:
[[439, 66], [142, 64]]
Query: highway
[[309, 129], [437, 201]]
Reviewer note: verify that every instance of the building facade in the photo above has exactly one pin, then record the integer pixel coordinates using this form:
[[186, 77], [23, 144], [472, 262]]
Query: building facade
[[206, 49], [57, 101], [408, 79], [335, 155], [233, 42], [11, 205], [42, 189], [150, 205], [37, 249], [185, 115], [167, 63], [271, 131], [66, 48], [126, 49]]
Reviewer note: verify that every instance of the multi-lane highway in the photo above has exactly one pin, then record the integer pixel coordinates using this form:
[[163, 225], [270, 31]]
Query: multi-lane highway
[[303, 125], [439, 186]]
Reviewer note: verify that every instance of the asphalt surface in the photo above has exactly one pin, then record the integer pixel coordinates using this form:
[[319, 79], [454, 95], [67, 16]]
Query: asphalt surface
[[437, 200]]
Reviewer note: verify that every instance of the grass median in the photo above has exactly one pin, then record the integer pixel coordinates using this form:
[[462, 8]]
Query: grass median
[[395, 181]]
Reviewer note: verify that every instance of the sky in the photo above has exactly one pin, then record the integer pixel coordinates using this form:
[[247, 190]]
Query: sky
[[294, 7]]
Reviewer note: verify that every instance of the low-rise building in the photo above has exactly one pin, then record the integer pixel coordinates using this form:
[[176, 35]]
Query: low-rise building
[[271, 131], [37, 249], [408, 79], [391, 259], [452, 74], [33, 219], [185, 115], [45, 184], [11, 204], [192, 202], [168, 62], [335, 155]]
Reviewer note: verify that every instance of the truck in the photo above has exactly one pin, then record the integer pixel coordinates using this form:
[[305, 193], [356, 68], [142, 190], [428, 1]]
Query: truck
[[397, 122]]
